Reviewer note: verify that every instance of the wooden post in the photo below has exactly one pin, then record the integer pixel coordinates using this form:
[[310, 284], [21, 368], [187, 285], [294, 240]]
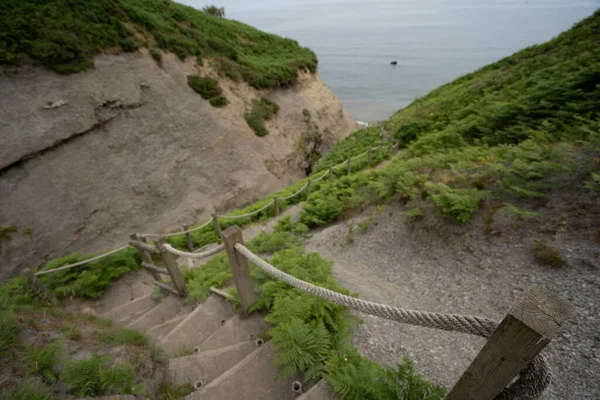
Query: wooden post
[[217, 226], [389, 149], [529, 326], [239, 268], [276, 205], [172, 267], [330, 173], [369, 160], [348, 169], [144, 255], [308, 187], [39, 286], [188, 239]]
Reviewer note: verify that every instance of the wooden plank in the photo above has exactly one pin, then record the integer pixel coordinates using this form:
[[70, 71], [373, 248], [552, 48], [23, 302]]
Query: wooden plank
[[223, 293], [166, 287], [217, 226], [188, 239], [239, 268], [276, 205], [172, 267], [39, 286], [145, 255], [529, 326], [144, 246], [153, 269]]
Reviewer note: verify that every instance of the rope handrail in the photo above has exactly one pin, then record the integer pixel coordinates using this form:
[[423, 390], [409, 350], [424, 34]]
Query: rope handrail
[[177, 233], [204, 254], [530, 384], [247, 214], [296, 193], [81, 262]]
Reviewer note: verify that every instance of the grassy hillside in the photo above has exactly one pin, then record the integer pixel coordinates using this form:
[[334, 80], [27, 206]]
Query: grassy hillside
[[64, 35], [506, 135]]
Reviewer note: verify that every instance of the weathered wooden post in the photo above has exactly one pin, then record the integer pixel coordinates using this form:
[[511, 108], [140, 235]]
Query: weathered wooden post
[[39, 286], [145, 255], [529, 326], [369, 159], [239, 268], [389, 151], [276, 205], [348, 168], [172, 267], [330, 173], [217, 226], [188, 239], [308, 186]]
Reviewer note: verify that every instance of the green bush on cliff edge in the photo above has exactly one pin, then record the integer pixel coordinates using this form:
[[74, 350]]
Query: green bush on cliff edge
[[65, 36]]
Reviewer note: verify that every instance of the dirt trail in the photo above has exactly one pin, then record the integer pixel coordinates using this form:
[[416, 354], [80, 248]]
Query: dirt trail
[[441, 267]]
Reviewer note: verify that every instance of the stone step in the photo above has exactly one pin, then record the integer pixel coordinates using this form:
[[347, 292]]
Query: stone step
[[160, 331], [236, 330], [320, 391], [130, 310], [253, 378], [206, 366], [197, 326], [164, 311], [130, 286]]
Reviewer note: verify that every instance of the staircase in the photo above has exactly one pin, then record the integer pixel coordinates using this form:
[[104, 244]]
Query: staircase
[[210, 346]]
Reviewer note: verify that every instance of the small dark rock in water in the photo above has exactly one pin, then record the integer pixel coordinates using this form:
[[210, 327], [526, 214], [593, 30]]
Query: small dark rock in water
[[394, 63]]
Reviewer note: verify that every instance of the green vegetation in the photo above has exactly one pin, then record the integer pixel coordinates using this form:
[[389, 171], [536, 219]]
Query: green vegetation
[[547, 255], [214, 10], [169, 391], [29, 389], [218, 101], [91, 279], [42, 360], [95, 376], [65, 35], [5, 231], [262, 110], [123, 336], [156, 55], [9, 330]]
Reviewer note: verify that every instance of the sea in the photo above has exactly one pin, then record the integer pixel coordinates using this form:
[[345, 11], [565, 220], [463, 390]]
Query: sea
[[433, 41]]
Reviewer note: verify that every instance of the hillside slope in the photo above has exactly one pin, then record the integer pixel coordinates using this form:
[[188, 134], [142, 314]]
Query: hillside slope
[[128, 145]]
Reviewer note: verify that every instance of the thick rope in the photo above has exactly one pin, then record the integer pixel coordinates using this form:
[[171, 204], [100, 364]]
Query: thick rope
[[77, 264], [180, 253], [321, 177], [297, 193], [532, 381], [247, 214], [177, 233]]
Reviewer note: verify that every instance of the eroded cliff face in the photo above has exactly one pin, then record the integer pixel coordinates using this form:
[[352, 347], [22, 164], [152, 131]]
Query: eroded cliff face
[[90, 158]]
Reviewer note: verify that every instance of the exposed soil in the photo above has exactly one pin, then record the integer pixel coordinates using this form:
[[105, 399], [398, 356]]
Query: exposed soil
[[434, 265]]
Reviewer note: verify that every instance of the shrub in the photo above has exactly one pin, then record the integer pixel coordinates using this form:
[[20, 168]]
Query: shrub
[[262, 110], [547, 255], [95, 376], [215, 11], [218, 101], [206, 87], [459, 204]]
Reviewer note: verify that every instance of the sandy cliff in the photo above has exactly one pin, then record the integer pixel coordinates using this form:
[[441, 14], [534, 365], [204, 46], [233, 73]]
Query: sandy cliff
[[90, 158]]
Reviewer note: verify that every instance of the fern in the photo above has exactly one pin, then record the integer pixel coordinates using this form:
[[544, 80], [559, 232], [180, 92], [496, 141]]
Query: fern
[[42, 360], [460, 204], [28, 389], [520, 214], [594, 184], [95, 376]]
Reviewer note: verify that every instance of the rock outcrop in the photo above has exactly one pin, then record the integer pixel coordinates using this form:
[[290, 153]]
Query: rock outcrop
[[90, 158]]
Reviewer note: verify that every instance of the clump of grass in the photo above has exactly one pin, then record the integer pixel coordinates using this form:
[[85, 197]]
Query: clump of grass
[[5, 231], [123, 336], [9, 331], [520, 214], [306, 114], [28, 389], [41, 360], [206, 87], [547, 255], [171, 391], [95, 376], [218, 101], [71, 332], [262, 110], [27, 231]]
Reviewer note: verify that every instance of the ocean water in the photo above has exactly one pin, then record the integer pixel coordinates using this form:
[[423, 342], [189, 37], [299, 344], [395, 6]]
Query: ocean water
[[434, 41]]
